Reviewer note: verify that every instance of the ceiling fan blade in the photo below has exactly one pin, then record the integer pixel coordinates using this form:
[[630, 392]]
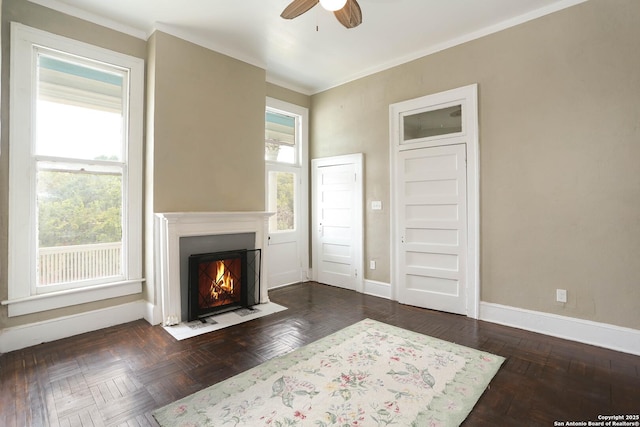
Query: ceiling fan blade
[[297, 8], [350, 15]]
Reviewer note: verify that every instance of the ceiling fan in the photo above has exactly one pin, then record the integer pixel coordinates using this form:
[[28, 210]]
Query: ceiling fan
[[347, 12]]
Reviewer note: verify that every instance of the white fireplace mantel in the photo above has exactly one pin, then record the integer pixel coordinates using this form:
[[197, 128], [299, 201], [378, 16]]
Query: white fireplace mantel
[[171, 226]]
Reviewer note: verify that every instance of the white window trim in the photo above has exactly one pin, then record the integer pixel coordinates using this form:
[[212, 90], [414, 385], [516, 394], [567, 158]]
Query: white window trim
[[22, 210]]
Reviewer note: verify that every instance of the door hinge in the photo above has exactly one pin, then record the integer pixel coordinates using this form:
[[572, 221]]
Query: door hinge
[[356, 272]]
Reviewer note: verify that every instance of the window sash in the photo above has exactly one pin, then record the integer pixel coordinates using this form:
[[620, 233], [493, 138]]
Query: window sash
[[280, 128], [69, 79], [84, 263], [87, 85], [282, 133]]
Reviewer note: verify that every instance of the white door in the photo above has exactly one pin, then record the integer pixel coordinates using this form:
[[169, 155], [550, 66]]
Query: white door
[[337, 221], [284, 252], [286, 134], [432, 221]]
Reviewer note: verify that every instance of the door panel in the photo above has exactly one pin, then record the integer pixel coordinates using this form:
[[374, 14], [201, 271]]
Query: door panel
[[283, 255], [284, 263], [337, 221], [432, 225]]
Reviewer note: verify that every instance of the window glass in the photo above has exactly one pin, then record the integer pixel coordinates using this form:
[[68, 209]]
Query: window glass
[[79, 142], [79, 111], [282, 201], [280, 138], [432, 123], [79, 226]]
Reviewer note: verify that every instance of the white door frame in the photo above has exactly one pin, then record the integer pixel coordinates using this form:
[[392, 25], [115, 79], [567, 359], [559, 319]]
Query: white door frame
[[467, 96], [358, 241]]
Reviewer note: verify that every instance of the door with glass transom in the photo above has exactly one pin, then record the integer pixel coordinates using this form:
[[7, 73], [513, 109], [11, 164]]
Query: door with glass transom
[[435, 201], [286, 178]]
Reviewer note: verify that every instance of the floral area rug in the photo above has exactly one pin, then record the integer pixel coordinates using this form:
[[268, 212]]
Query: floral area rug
[[368, 374]]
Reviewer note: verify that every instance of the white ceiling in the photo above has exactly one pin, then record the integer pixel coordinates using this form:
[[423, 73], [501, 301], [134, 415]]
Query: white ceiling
[[313, 52]]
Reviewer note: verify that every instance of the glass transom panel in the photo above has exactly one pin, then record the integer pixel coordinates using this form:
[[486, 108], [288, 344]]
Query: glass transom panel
[[432, 123], [280, 138]]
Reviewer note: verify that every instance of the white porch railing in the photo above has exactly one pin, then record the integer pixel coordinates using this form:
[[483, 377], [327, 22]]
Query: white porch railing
[[78, 262]]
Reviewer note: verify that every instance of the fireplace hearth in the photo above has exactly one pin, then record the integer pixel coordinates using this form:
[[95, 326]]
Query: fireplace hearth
[[223, 281]]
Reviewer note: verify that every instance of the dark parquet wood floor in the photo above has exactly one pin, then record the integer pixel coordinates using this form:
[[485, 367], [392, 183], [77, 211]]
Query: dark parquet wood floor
[[117, 376]]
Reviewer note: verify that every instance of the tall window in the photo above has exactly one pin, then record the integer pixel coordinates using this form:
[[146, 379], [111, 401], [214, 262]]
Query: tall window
[[281, 154], [79, 144], [76, 161]]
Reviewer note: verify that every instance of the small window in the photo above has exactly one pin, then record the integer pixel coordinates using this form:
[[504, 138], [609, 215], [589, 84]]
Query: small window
[[432, 123], [280, 138]]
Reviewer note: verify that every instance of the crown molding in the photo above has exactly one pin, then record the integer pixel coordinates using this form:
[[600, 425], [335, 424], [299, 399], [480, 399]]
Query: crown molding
[[91, 17]]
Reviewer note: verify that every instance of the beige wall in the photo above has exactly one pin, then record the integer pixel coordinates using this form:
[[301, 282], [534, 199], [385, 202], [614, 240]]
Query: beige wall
[[205, 134], [208, 125], [559, 149], [288, 95]]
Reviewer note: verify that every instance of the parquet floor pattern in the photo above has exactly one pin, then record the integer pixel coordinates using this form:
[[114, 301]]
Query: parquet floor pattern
[[117, 376]]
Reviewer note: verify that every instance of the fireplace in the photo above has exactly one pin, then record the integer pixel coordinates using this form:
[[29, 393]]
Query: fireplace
[[223, 281], [171, 229]]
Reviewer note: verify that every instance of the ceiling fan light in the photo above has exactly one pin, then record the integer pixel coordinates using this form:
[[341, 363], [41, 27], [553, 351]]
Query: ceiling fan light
[[333, 5]]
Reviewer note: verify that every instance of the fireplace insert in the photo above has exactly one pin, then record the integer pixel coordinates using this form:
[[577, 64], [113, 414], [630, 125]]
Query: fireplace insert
[[223, 281]]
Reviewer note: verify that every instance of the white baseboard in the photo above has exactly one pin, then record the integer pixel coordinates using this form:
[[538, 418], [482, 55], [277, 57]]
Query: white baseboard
[[152, 313], [18, 337], [599, 334], [613, 337], [377, 289]]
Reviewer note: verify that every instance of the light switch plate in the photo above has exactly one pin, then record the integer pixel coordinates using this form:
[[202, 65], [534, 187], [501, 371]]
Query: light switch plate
[[561, 295]]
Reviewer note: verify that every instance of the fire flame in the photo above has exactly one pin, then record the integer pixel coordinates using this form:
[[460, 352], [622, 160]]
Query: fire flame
[[223, 281]]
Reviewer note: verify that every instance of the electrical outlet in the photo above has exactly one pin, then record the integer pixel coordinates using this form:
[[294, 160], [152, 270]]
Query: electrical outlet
[[372, 265], [561, 295]]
